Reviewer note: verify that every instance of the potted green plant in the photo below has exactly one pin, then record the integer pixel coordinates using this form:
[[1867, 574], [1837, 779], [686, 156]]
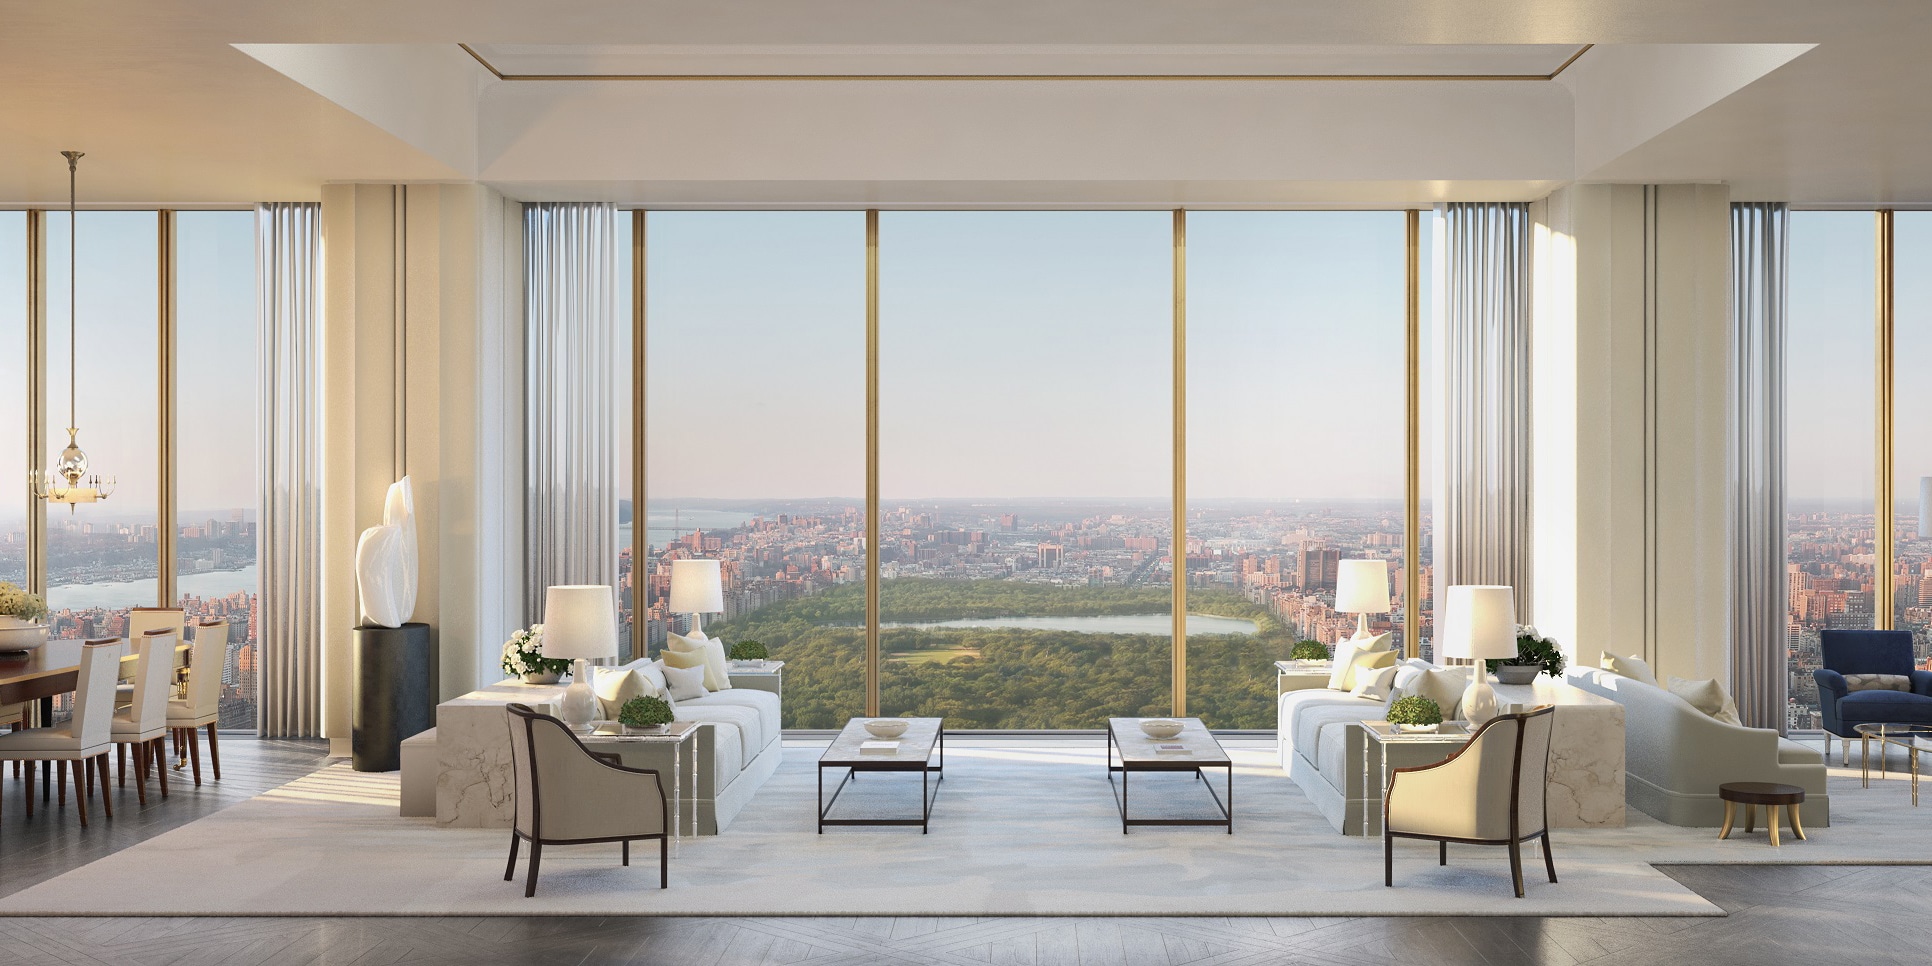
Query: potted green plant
[[1535, 654], [749, 651], [1308, 651], [20, 615], [1415, 713], [523, 658], [647, 715]]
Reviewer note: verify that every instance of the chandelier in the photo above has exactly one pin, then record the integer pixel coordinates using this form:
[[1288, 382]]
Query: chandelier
[[67, 482]]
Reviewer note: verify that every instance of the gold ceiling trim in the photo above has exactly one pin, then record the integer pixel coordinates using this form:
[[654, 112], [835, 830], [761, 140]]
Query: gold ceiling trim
[[1552, 75]]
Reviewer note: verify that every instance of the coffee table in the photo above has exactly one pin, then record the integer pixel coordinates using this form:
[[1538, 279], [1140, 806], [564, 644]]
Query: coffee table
[[1913, 738], [913, 751], [1138, 752]]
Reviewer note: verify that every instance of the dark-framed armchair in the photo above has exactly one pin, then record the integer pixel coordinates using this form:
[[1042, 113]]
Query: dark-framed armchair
[[567, 794], [1844, 706]]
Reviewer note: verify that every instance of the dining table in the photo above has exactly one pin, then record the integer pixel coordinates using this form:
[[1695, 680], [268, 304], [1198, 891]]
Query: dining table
[[51, 670]]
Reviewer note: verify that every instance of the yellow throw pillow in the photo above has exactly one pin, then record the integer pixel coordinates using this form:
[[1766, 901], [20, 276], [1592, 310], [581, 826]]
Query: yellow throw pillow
[[693, 660], [616, 686], [1632, 667], [1342, 678], [717, 674]]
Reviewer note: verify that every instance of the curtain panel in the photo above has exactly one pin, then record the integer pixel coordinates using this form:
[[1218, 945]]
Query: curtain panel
[[1483, 517], [1759, 259], [287, 246], [570, 262]]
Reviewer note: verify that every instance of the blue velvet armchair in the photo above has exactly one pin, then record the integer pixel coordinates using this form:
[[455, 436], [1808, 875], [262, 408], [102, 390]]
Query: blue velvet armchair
[[1869, 652]]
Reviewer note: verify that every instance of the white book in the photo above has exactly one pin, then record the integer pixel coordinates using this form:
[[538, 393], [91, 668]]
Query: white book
[[1170, 749], [879, 748]]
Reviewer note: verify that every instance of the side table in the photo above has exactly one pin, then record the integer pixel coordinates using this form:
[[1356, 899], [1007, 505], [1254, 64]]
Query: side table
[[650, 751], [1772, 796], [1384, 741], [759, 675], [1302, 675]]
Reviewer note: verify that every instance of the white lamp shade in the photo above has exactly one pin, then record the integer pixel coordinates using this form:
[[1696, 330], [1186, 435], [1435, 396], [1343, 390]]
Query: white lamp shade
[[697, 587], [1479, 622], [1362, 587], [580, 621]]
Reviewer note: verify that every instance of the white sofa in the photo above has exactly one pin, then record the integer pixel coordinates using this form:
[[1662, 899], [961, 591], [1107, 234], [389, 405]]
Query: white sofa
[[737, 750], [1678, 755], [1323, 748]]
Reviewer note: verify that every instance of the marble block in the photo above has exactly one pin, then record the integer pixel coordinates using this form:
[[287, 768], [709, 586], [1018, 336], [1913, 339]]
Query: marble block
[[1586, 752], [474, 785]]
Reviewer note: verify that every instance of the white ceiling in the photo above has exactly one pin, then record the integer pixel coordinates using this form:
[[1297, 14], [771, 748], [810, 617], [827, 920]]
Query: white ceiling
[[170, 111]]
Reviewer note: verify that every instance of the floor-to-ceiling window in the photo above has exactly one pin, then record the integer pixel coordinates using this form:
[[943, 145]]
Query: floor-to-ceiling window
[[104, 558], [1912, 430], [1296, 442], [755, 438], [1025, 448], [13, 383], [622, 404], [1830, 429], [216, 486]]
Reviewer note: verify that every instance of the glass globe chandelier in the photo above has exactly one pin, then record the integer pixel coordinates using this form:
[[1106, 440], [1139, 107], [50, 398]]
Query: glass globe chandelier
[[68, 481]]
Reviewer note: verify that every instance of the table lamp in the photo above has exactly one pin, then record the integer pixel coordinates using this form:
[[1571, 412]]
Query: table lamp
[[579, 623], [1479, 622], [697, 587], [1362, 587]]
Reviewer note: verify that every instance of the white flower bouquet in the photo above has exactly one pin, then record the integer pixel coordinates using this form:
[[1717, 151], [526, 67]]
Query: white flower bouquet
[[16, 602], [523, 656]]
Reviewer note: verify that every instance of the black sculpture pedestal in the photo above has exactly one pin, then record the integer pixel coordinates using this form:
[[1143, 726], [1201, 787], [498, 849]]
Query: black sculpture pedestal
[[395, 693]]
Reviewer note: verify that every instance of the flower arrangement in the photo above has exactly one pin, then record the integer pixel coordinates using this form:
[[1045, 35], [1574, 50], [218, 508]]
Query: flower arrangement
[[1415, 711], [749, 651], [1309, 651], [1534, 648], [16, 602], [645, 712], [523, 656]]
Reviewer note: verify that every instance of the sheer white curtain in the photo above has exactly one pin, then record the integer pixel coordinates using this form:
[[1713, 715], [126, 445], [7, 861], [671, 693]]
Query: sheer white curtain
[[1483, 513], [570, 269], [1759, 256], [288, 241]]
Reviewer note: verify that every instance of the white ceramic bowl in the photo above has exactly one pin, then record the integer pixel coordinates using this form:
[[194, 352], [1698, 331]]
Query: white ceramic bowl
[[886, 727], [1160, 729], [22, 638]]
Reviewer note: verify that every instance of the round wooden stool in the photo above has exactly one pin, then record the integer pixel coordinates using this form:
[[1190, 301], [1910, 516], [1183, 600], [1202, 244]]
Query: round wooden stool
[[1772, 796]]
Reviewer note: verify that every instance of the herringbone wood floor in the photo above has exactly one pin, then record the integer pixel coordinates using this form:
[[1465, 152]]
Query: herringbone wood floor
[[1777, 914]]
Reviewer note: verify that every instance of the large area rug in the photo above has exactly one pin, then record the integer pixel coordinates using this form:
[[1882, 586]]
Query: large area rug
[[1019, 829]]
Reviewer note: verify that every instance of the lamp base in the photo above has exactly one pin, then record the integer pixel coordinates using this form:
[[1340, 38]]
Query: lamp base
[[579, 707], [1362, 628], [1479, 701]]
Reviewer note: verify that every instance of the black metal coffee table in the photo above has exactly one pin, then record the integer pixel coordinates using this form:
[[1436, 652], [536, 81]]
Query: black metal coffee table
[[913, 751], [1197, 749]]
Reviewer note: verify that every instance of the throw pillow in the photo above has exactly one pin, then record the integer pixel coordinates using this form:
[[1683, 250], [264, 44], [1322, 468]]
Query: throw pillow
[[717, 674], [1343, 676], [1374, 682], [653, 674], [1707, 696], [1444, 686], [1878, 682], [685, 683], [615, 686], [1632, 667]]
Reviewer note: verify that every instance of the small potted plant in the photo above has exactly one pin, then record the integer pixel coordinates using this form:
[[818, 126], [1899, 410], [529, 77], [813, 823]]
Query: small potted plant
[[746, 652], [1309, 652], [1415, 713], [523, 658], [646, 715], [20, 615], [1535, 654]]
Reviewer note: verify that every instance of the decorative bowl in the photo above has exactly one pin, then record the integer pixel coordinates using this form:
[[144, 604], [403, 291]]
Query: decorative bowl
[[656, 729], [886, 727], [22, 637], [1418, 729], [1161, 729], [1518, 673]]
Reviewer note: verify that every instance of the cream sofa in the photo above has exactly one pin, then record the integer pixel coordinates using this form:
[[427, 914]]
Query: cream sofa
[[1678, 755], [736, 752]]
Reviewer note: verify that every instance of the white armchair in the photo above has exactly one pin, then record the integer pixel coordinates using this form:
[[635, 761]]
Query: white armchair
[[567, 794], [1492, 792]]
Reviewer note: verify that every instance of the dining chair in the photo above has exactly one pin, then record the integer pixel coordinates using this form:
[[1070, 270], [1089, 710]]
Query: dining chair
[[16, 716], [202, 707], [141, 620], [1493, 791], [145, 724], [567, 794], [82, 741]]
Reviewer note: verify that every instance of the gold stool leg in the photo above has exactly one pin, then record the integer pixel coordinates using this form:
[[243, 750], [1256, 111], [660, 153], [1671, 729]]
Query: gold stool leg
[[1771, 821], [1730, 812], [1797, 824], [1750, 818]]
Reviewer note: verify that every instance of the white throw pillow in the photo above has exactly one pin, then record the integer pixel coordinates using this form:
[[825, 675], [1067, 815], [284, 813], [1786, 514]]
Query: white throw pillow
[[1406, 674], [1343, 676], [615, 686], [653, 674], [685, 683], [1632, 667], [1707, 696], [717, 674], [1444, 686], [1374, 683]]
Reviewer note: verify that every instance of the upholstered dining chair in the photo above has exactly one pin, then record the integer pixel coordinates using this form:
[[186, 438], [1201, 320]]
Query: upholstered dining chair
[[202, 707], [83, 740], [141, 620], [567, 794], [145, 723], [1491, 792]]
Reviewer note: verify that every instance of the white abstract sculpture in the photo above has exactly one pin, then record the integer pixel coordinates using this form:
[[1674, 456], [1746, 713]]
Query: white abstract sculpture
[[386, 561]]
